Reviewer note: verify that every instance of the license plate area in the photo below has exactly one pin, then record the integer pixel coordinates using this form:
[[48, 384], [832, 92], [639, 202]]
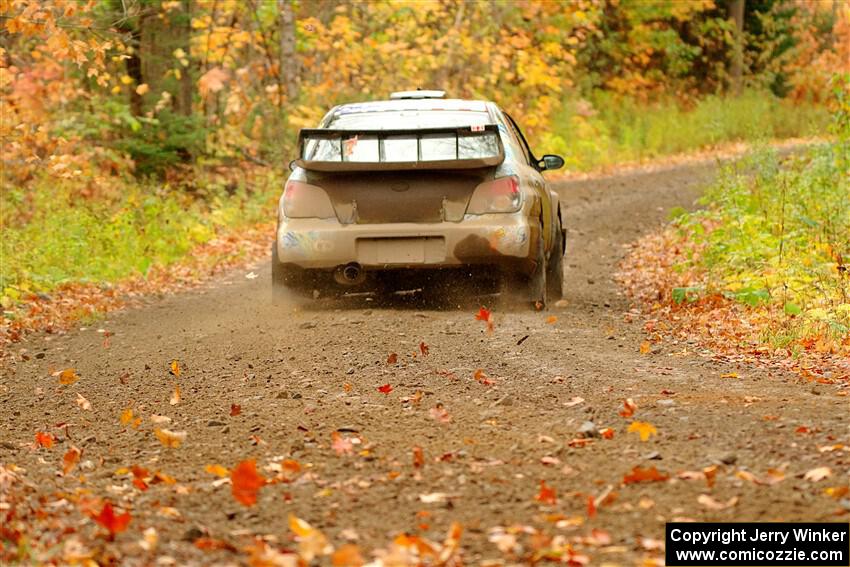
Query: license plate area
[[401, 250]]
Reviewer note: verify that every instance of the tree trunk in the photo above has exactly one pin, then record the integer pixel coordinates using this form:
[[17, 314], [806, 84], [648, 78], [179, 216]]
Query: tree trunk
[[288, 61], [736, 14]]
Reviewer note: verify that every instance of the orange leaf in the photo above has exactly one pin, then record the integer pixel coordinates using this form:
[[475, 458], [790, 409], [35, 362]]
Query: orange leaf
[[392, 358], [347, 387], [644, 475], [418, 457], [607, 433], [546, 494], [70, 460], [642, 428], [551, 319], [209, 544], [423, 348], [645, 347], [44, 440], [246, 482], [168, 438], [485, 315], [108, 519], [629, 408], [710, 474], [126, 416], [175, 397], [385, 389], [348, 555], [481, 377], [68, 377], [235, 409], [174, 368]]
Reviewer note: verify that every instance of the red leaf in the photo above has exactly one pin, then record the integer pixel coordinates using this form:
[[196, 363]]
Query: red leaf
[[246, 482], [108, 519], [235, 409], [482, 378], [546, 494], [644, 475], [423, 348], [485, 315], [629, 408], [591, 507], [392, 358], [385, 389], [44, 440], [418, 457]]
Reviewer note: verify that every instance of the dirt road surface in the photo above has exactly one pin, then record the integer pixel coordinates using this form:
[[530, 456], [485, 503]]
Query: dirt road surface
[[299, 374]]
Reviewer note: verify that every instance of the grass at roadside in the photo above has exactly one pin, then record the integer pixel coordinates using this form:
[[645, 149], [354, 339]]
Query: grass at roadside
[[763, 267], [607, 131]]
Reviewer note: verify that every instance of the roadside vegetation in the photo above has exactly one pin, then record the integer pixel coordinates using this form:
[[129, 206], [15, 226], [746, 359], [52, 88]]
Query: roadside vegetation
[[764, 265]]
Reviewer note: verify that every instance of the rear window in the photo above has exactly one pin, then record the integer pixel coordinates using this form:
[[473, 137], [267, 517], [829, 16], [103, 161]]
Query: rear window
[[402, 119]]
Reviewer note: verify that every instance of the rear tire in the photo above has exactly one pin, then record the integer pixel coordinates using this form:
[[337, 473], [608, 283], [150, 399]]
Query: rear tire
[[555, 275], [537, 287]]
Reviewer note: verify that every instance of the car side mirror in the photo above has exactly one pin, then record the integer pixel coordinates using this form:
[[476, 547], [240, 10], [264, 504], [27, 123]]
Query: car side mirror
[[550, 161]]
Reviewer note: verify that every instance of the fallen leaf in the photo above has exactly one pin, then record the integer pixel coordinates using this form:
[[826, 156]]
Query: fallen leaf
[[140, 476], [818, 474], [126, 416], [84, 404], [639, 474], [44, 440], [114, 524], [251, 276], [347, 387], [606, 433], [713, 504], [423, 348], [168, 438], [551, 319], [340, 444], [629, 408], [175, 396], [159, 419], [418, 457], [710, 473], [217, 470], [70, 460], [235, 409], [485, 315], [645, 347], [385, 389], [481, 377], [347, 555], [546, 495], [210, 544], [650, 544], [729, 375], [642, 428], [591, 507], [439, 413], [311, 542], [837, 492], [392, 358], [246, 482], [574, 401], [433, 498], [68, 377], [174, 368], [150, 539]]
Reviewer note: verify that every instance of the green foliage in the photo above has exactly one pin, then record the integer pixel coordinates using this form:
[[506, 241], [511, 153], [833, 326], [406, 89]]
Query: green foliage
[[69, 240], [780, 233], [156, 144], [614, 129]]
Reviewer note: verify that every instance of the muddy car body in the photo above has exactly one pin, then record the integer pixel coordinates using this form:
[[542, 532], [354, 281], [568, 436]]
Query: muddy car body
[[414, 183]]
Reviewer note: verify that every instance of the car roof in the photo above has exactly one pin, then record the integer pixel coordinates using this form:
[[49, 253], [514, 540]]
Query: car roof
[[451, 104]]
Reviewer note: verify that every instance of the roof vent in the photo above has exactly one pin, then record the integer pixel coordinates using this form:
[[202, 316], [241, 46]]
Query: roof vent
[[418, 93]]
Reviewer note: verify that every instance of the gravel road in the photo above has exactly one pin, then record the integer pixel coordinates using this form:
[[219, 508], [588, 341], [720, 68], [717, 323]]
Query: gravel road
[[301, 373]]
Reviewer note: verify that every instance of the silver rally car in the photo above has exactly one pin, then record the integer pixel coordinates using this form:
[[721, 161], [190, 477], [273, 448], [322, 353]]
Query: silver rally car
[[382, 190]]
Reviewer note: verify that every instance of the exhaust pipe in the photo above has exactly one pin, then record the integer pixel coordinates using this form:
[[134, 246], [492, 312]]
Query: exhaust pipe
[[350, 274]]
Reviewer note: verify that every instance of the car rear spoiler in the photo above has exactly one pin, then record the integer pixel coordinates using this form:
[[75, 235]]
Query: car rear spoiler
[[468, 147]]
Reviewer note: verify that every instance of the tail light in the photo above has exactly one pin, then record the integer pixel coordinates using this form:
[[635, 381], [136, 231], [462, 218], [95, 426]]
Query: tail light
[[500, 195], [302, 200]]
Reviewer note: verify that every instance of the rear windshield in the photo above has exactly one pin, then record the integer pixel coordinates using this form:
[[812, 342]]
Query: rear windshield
[[403, 119]]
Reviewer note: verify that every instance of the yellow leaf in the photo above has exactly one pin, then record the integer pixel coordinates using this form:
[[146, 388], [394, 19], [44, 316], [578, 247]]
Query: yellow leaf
[[729, 375], [644, 429], [645, 347], [175, 367], [217, 470], [126, 79], [299, 527], [169, 438]]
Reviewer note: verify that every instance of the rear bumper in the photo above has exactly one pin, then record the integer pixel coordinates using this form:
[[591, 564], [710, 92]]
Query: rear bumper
[[502, 240]]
